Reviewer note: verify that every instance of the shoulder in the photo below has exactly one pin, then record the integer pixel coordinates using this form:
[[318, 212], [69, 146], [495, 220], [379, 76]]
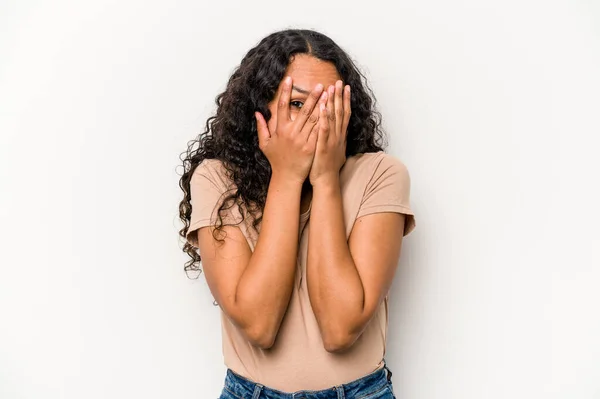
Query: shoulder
[[212, 171], [374, 164], [386, 160], [210, 166]]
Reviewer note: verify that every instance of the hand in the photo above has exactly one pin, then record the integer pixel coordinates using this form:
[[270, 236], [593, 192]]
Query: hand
[[290, 146], [330, 154]]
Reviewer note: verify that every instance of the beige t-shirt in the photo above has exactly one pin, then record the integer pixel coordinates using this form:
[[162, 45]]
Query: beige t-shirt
[[370, 183]]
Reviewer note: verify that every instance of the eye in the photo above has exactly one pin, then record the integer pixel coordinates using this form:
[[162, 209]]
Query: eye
[[296, 104]]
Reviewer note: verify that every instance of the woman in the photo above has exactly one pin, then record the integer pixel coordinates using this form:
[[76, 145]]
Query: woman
[[303, 300]]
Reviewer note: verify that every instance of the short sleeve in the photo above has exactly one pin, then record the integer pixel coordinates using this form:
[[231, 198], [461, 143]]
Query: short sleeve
[[208, 189], [388, 190]]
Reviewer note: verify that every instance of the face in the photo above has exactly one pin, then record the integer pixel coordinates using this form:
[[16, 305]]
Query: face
[[306, 72]]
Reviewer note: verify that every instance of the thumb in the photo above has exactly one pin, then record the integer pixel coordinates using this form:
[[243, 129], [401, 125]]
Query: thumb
[[263, 131]]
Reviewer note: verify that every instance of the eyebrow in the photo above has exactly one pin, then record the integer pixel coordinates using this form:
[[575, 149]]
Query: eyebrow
[[300, 90]]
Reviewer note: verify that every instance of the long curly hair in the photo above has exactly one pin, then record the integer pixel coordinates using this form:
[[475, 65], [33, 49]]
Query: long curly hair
[[230, 135]]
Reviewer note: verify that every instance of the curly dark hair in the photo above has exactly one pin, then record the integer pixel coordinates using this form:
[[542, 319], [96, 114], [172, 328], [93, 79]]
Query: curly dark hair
[[231, 136]]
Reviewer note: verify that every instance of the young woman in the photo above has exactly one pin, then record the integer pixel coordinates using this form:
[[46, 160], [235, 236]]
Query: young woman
[[298, 215]]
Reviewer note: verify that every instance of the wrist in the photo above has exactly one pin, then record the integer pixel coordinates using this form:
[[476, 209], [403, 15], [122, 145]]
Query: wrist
[[326, 180], [286, 180]]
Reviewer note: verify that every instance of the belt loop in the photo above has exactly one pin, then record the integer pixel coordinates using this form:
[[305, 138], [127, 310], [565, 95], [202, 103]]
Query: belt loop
[[257, 390], [340, 392]]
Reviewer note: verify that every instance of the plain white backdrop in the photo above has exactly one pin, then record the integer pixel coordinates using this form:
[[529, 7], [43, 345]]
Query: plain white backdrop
[[493, 106]]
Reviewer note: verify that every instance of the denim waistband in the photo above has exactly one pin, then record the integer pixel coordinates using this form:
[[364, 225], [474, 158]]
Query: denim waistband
[[244, 388]]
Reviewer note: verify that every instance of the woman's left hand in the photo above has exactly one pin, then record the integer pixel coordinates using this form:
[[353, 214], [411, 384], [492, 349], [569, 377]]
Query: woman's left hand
[[330, 154]]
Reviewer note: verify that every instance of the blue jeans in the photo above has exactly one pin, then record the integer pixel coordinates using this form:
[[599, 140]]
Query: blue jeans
[[377, 385]]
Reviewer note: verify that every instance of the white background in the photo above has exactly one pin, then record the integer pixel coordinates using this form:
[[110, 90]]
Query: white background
[[493, 106]]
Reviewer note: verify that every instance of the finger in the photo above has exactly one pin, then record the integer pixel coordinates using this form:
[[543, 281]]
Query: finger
[[324, 125], [263, 131], [331, 109], [283, 103], [347, 111], [339, 107], [313, 119], [309, 106], [314, 133], [317, 112]]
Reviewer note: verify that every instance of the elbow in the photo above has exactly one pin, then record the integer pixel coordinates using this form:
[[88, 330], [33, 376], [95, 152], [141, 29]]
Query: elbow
[[338, 341], [260, 337], [259, 330]]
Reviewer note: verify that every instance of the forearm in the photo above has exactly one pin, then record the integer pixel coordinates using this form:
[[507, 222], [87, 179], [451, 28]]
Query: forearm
[[334, 285], [265, 287]]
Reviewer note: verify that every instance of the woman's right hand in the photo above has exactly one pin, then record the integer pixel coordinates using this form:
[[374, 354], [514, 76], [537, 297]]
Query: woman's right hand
[[290, 145]]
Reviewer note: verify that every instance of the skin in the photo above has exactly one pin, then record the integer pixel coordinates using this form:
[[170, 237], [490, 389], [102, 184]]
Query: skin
[[304, 141]]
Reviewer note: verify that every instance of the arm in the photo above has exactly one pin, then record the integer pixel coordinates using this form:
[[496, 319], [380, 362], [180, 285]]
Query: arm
[[348, 280], [254, 289]]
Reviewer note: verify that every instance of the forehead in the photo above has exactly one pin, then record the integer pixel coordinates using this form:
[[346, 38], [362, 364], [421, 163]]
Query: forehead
[[307, 71]]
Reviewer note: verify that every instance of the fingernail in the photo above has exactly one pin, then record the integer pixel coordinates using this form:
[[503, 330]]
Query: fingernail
[[319, 87], [288, 80]]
